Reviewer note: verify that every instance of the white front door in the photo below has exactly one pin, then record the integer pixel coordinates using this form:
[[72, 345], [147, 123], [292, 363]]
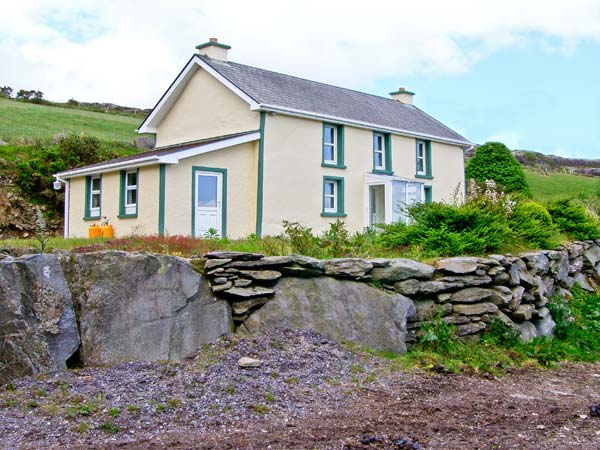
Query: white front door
[[208, 203]]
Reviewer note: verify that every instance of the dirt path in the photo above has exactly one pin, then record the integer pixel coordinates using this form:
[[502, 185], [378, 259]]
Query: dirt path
[[529, 409]]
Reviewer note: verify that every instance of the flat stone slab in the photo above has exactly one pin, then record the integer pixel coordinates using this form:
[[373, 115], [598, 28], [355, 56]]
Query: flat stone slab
[[401, 269], [262, 275], [247, 362], [458, 266], [245, 293], [475, 309], [237, 256], [268, 262], [213, 263], [471, 295], [240, 308], [347, 267]]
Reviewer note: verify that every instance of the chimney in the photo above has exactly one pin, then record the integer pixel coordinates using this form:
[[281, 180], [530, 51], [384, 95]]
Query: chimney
[[213, 49], [402, 95]]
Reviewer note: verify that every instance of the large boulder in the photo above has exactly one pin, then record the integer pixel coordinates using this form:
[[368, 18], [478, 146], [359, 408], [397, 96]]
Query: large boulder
[[136, 306], [342, 310], [38, 328]]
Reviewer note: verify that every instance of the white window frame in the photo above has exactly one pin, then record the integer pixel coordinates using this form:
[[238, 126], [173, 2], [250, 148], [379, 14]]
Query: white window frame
[[334, 195], [380, 151], [131, 208], [95, 212], [421, 147], [333, 146]]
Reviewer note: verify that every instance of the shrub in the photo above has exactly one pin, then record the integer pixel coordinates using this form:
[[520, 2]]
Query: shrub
[[533, 224], [573, 219], [494, 161], [301, 238]]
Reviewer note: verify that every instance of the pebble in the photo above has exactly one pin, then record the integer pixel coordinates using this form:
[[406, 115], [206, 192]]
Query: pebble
[[246, 361]]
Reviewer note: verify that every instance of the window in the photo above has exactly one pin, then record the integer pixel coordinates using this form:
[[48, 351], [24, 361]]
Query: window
[[423, 154], [94, 196], [128, 201], [428, 194], [382, 153], [333, 146], [333, 197]]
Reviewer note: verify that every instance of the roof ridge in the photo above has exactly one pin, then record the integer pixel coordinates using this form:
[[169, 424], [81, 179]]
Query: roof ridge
[[210, 60]]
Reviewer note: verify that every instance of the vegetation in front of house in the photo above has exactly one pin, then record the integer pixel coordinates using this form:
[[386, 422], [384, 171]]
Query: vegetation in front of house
[[576, 338], [494, 161]]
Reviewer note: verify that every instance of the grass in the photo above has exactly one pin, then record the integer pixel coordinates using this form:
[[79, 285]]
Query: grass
[[546, 188], [28, 121]]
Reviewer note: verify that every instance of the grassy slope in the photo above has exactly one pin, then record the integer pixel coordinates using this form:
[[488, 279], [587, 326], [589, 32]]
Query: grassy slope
[[549, 187], [27, 120]]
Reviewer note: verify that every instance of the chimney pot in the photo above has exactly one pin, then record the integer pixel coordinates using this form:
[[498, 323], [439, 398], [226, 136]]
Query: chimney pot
[[213, 40], [214, 49]]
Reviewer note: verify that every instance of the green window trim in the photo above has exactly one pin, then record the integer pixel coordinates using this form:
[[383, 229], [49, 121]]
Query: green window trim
[[122, 195], [161, 199], [223, 197], [427, 175], [340, 207], [428, 194], [339, 147], [387, 142], [88, 191], [259, 175]]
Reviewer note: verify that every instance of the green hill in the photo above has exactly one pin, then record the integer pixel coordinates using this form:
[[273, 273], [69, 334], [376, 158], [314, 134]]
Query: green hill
[[558, 185], [31, 121]]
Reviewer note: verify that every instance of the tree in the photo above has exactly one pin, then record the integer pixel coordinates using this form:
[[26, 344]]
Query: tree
[[494, 161], [6, 91]]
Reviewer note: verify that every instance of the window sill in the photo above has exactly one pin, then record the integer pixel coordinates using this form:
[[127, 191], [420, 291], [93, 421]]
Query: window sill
[[426, 177], [383, 172], [333, 214], [127, 216], [333, 166], [92, 218]]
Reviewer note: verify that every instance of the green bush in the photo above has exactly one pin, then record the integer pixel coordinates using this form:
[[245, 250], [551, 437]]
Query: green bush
[[533, 224], [573, 219], [494, 161], [450, 230]]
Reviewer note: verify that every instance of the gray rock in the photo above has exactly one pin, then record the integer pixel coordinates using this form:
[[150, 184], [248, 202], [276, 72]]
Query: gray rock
[[380, 262], [296, 270], [309, 262], [427, 309], [555, 255], [268, 262], [212, 263], [504, 319], [474, 309], [38, 328], [219, 280], [470, 328], [502, 295], [592, 255], [402, 269], [501, 279], [586, 283], [527, 330], [135, 306], [522, 312], [435, 286], [575, 250], [237, 256], [241, 293], [575, 265], [513, 273], [342, 310], [495, 271], [221, 287], [471, 295], [442, 298], [527, 279], [262, 276], [243, 307], [458, 266], [517, 296], [407, 287], [347, 267], [560, 267], [216, 271], [456, 320], [466, 280], [241, 282], [545, 326], [248, 362], [538, 262]]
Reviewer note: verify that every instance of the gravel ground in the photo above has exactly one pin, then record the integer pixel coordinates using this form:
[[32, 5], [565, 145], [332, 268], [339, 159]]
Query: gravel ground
[[309, 393]]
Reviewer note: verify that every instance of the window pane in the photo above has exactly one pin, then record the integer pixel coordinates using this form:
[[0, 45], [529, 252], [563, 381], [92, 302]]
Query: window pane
[[329, 154], [329, 188], [329, 203], [378, 159], [132, 179], [328, 135], [377, 142], [95, 200], [95, 184], [132, 196], [420, 165], [207, 191]]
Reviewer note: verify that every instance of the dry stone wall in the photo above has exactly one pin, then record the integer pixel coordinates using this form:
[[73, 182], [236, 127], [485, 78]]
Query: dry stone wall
[[465, 291]]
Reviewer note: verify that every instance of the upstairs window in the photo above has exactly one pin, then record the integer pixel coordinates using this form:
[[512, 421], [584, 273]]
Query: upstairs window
[[423, 154], [333, 146], [382, 153]]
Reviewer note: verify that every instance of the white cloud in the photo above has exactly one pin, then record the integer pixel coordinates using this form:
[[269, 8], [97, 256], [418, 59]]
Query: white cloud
[[129, 52]]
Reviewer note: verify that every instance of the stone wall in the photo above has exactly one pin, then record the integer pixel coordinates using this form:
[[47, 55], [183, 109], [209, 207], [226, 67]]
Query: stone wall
[[465, 291]]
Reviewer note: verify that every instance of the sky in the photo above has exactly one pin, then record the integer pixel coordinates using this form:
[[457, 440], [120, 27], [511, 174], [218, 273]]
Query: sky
[[522, 72]]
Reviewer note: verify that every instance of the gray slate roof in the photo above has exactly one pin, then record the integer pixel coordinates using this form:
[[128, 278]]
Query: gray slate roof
[[277, 89]]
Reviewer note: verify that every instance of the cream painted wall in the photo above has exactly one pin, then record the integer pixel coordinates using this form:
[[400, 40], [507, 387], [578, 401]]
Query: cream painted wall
[[293, 176], [145, 223], [205, 108], [241, 164]]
